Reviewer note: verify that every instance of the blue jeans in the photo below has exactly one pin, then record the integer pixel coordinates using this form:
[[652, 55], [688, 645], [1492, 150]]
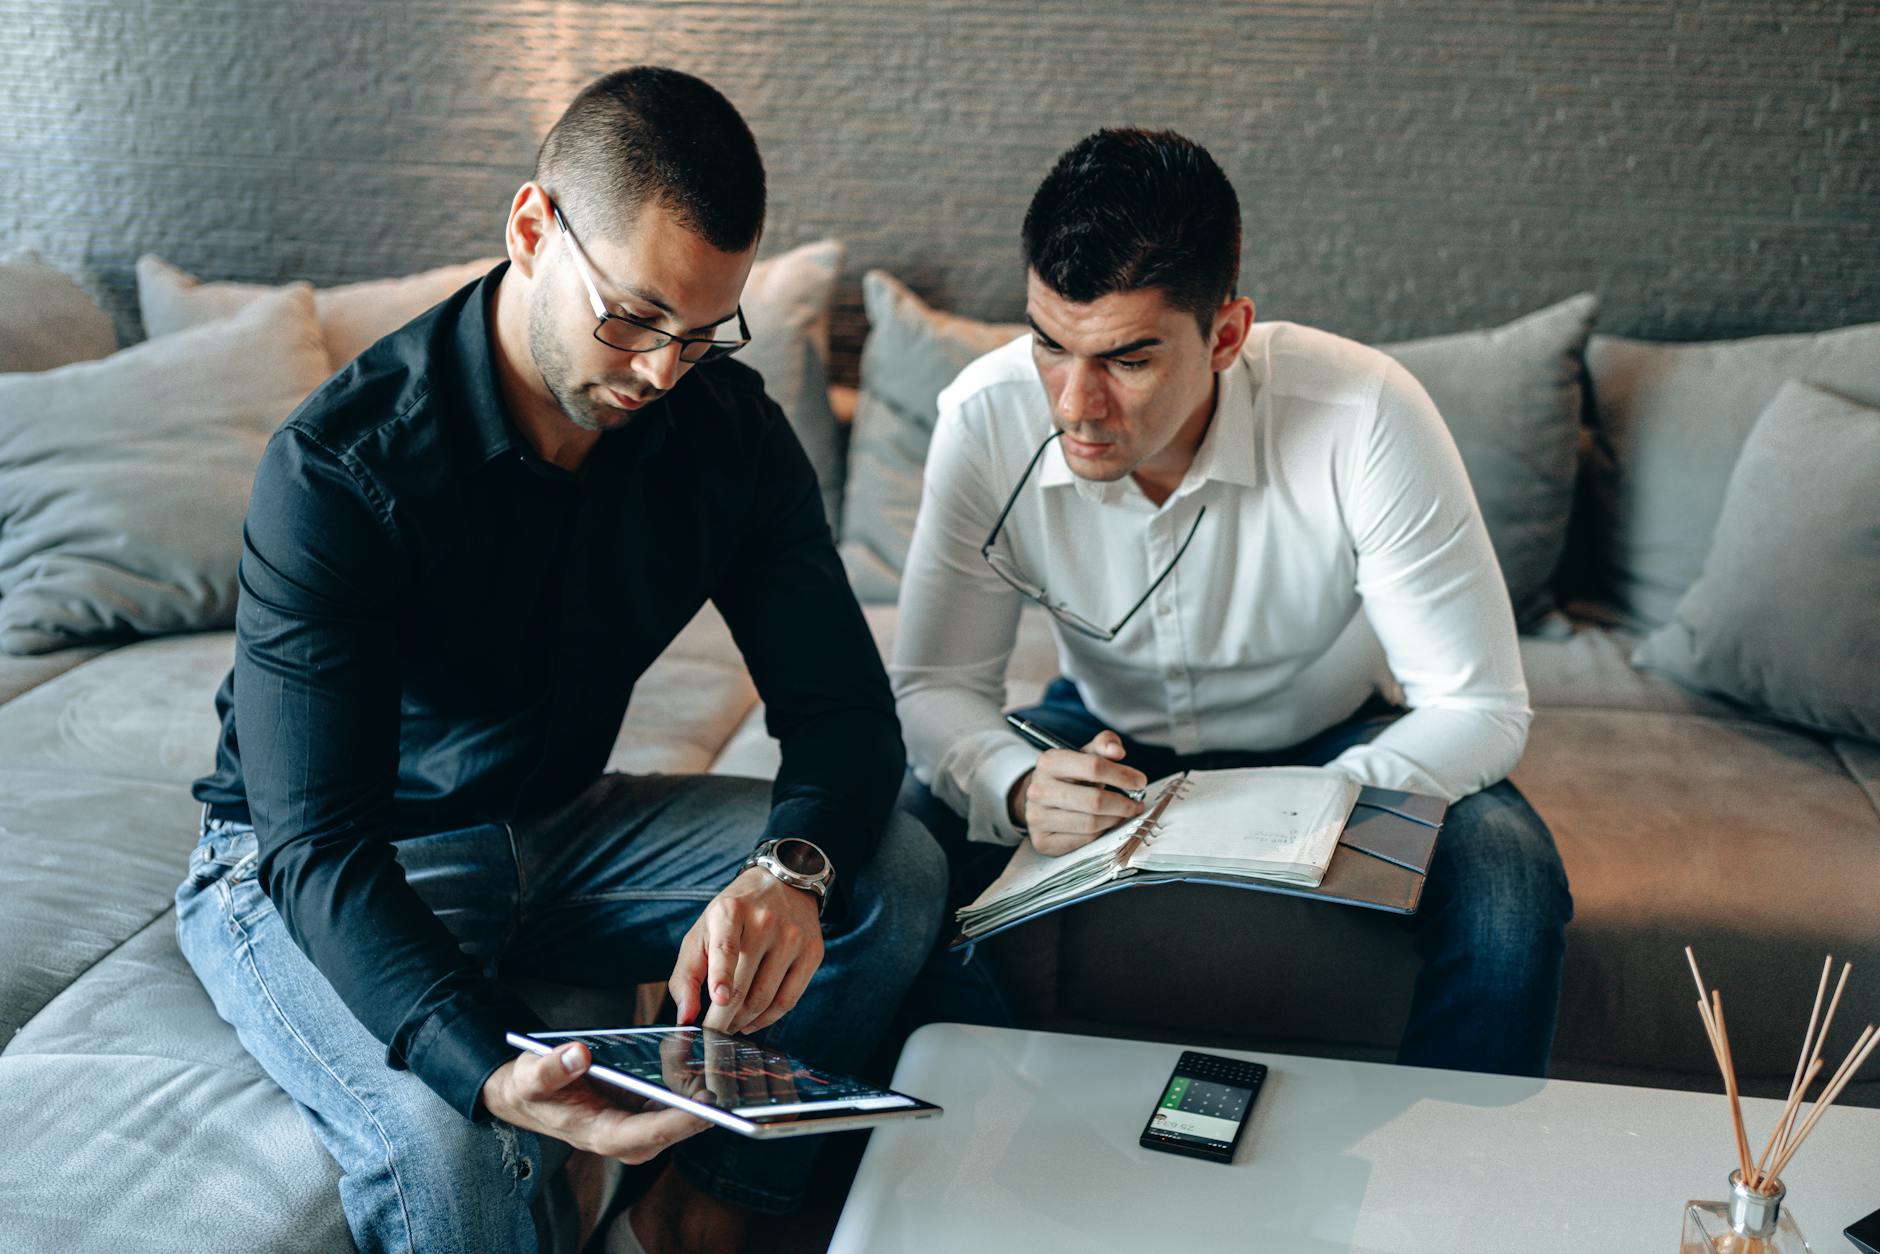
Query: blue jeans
[[1491, 928], [598, 894]]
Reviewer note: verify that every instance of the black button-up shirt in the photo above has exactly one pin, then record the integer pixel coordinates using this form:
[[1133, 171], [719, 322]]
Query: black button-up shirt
[[436, 628]]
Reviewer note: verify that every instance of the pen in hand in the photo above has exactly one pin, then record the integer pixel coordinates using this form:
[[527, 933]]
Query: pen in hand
[[1045, 740]]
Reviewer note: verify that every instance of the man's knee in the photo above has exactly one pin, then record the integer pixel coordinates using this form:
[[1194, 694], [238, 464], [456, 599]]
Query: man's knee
[[1508, 877], [421, 1176], [900, 893]]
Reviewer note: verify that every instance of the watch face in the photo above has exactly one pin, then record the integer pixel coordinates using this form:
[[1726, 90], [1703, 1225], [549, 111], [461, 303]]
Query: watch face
[[801, 857]]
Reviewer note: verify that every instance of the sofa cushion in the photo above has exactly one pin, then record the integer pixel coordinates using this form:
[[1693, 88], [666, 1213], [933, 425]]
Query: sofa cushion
[[786, 302], [139, 1028], [1670, 421], [352, 316], [1512, 397], [1747, 840], [147, 712], [84, 865], [138, 1039], [1784, 616], [123, 482], [23, 673], [1591, 668], [46, 319], [911, 354]]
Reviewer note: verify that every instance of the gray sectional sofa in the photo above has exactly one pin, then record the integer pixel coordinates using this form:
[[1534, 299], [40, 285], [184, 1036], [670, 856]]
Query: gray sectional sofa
[[135, 1121]]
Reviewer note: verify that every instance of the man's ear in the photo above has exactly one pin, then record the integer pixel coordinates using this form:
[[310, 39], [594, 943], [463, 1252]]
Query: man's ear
[[529, 227], [1231, 325]]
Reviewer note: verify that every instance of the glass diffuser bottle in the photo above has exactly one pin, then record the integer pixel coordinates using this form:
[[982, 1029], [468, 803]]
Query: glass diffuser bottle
[[1749, 1223]]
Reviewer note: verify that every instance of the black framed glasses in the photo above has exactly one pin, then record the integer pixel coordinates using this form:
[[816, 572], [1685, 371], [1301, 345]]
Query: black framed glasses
[[1006, 569], [630, 335]]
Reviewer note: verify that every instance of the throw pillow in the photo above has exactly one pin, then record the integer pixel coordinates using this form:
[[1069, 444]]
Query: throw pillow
[[123, 482], [1512, 397], [47, 320], [353, 316], [1670, 421], [786, 303], [912, 352], [1783, 616]]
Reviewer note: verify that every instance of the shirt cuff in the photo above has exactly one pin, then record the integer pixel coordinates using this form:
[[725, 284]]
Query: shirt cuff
[[461, 1045], [988, 819]]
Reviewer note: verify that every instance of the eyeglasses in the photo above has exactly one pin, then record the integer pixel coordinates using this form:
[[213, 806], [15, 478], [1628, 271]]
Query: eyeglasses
[[629, 334], [1006, 569]]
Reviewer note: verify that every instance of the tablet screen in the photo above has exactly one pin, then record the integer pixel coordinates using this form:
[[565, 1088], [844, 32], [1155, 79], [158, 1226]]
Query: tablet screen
[[737, 1074]]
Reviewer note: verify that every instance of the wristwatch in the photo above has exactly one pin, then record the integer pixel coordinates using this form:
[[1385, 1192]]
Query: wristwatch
[[797, 863]]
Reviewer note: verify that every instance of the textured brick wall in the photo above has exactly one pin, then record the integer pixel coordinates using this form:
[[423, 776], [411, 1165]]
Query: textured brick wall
[[1711, 167]]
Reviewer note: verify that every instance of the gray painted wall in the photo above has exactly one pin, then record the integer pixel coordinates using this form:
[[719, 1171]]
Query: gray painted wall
[[1710, 167]]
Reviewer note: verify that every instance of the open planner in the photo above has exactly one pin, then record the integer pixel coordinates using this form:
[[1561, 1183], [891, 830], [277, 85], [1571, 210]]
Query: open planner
[[1306, 831]]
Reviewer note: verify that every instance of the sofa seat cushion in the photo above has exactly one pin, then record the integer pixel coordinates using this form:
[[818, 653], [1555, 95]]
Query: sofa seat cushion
[[688, 704], [1751, 842], [131, 1084], [1591, 669], [145, 711], [84, 865], [23, 673]]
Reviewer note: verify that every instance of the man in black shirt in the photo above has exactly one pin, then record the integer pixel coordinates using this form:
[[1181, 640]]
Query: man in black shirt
[[459, 556]]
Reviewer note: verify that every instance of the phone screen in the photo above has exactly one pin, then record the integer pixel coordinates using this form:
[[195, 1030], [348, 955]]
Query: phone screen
[[1203, 1113]]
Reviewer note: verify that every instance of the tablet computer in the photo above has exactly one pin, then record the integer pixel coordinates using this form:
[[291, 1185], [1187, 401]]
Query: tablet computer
[[733, 1081]]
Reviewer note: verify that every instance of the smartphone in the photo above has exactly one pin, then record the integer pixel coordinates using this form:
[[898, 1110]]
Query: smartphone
[[1205, 1106], [1864, 1234]]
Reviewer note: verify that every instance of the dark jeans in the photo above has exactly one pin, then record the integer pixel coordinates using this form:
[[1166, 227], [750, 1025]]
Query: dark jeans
[[1491, 929]]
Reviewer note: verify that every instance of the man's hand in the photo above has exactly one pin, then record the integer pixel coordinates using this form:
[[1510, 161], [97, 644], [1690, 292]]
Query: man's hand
[[1062, 800], [754, 948], [546, 1093]]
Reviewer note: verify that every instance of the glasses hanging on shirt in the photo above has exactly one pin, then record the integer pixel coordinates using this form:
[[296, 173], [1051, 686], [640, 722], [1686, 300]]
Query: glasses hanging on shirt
[[1008, 570]]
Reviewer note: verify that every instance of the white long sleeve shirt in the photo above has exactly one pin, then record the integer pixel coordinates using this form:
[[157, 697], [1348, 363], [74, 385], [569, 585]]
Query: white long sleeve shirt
[[1342, 554]]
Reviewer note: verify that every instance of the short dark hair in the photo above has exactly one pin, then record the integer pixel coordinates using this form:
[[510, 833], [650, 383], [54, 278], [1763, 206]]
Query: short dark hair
[[648, 133], [1131, 209]]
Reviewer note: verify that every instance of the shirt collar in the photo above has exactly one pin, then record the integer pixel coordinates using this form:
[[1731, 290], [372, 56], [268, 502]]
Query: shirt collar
[[488, 412], [482, 395], [1229, 452]]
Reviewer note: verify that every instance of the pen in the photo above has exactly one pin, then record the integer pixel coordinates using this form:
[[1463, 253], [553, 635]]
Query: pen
[[1045, 740]]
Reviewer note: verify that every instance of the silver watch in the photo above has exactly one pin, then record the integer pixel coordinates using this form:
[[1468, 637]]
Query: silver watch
[[797, 863]]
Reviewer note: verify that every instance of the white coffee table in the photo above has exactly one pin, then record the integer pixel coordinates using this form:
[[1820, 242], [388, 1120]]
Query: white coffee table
[[1037, 1152]]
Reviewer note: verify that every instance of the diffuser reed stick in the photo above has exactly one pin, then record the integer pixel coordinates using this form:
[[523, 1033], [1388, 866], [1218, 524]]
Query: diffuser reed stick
[[1763, 1174]]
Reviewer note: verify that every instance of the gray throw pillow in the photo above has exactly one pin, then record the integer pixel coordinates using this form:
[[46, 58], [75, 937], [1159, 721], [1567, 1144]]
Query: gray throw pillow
[[1512, 397], [47, 320], [123, 482], [911, 354], [1670, 421], [1786, 614]]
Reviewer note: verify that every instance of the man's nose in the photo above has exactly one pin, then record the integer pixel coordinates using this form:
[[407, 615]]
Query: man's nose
[[660, 367], [1080, 397]]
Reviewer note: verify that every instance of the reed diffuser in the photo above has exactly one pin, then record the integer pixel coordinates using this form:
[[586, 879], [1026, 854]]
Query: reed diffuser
[[1753, 1220]]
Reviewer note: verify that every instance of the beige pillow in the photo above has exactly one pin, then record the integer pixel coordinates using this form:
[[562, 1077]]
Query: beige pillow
[[46, 319], [352, 316], [123, 482]]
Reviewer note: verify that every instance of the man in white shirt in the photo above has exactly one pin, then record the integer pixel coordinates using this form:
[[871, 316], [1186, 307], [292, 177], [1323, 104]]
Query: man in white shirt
[[1257, 543]]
